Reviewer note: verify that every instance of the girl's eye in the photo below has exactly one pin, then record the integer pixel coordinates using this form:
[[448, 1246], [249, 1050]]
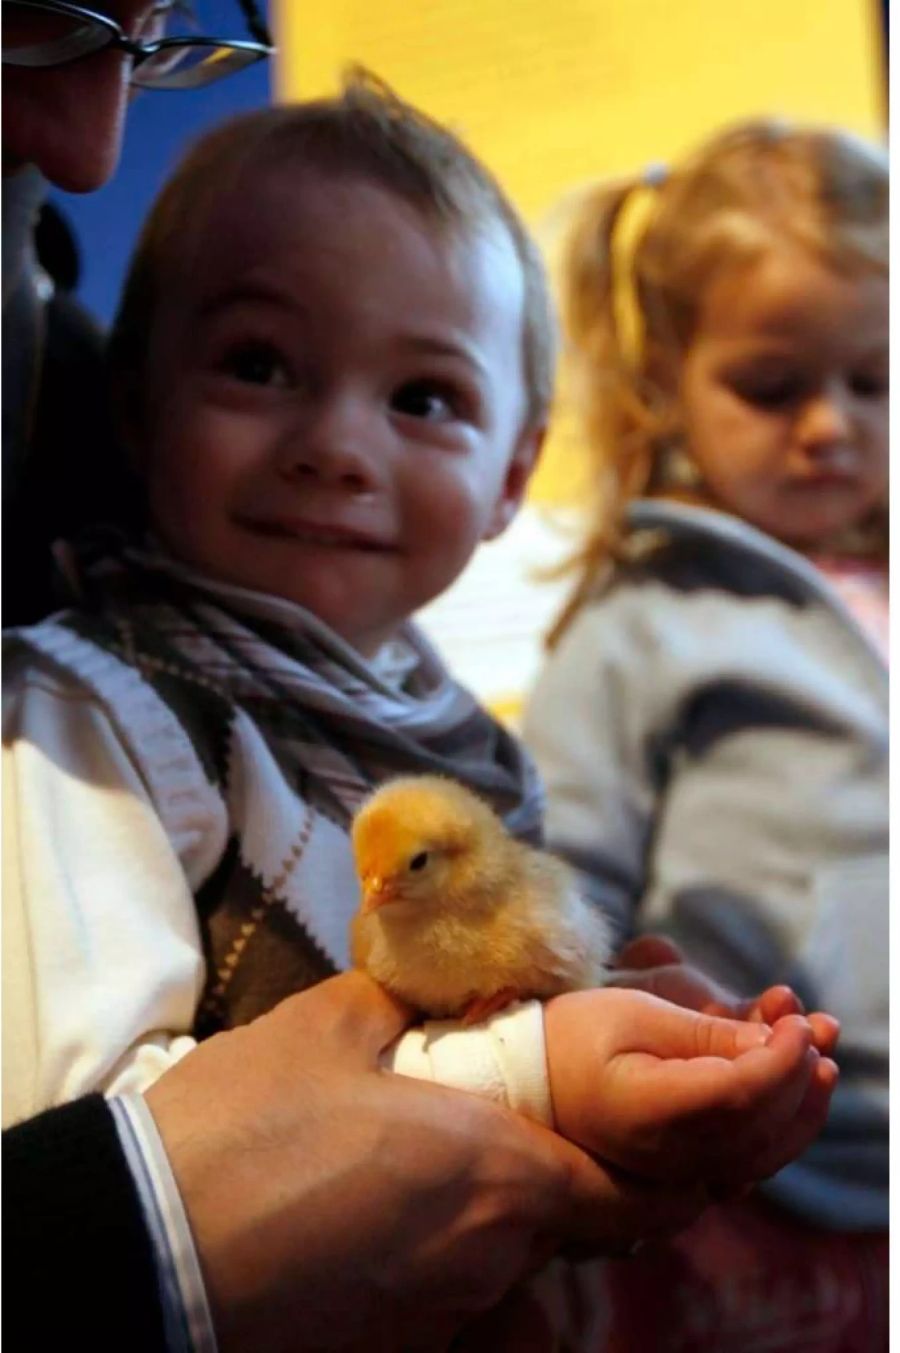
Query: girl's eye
[[419, 861], [870, 384], [256, 364], [425, 399], [771, 393]]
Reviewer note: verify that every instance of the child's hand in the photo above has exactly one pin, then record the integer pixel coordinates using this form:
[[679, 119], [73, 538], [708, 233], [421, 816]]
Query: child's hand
[[655, 964], [673, 1094]]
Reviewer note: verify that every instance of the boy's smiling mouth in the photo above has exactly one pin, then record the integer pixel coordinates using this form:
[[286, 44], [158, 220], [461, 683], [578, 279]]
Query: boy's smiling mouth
[[313, 533]]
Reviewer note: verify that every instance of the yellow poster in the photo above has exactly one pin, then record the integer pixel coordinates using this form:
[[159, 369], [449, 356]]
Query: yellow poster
[[551, 92]]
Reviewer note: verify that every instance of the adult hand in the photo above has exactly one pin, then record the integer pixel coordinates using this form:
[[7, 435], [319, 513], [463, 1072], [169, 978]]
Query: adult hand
[[336, 1205]]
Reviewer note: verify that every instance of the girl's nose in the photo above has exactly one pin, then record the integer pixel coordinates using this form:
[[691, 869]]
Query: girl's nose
[[336, 442], [826, 421]]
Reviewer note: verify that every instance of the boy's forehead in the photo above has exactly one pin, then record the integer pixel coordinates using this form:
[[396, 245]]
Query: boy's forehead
[[297, 220]]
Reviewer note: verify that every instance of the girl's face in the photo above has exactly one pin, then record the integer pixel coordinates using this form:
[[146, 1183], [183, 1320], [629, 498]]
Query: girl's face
[[784, 396]]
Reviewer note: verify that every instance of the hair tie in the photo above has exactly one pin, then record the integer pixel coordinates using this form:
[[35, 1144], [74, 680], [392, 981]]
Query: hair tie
[[655, 174]]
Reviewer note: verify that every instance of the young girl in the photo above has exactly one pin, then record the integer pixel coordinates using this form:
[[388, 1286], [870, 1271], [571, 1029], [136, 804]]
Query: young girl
[[712, 719]]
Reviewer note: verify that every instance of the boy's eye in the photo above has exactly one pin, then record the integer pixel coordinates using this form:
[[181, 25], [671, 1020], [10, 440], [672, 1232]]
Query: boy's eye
[[425, 399], [256, 363]]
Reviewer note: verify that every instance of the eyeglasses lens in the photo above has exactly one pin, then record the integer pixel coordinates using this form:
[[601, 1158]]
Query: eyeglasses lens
[[188, 67], [39, 37]]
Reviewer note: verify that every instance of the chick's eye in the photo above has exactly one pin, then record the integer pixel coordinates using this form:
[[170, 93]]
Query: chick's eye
[[428, 400], [256, 363], [419, 861]]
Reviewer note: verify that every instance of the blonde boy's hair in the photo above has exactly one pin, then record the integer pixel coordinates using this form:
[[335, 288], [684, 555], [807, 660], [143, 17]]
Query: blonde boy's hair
[[366, 131], [630, 305]]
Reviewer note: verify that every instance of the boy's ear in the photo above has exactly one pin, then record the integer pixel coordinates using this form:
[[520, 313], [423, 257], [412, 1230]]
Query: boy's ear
[[518, 474]]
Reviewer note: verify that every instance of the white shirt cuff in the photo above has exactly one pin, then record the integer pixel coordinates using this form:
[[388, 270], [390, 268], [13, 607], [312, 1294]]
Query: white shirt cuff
[[186, 1314], [504, 1059]]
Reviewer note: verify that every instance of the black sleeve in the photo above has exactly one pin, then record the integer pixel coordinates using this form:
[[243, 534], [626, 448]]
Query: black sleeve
[[72, 472], [78, 1266]]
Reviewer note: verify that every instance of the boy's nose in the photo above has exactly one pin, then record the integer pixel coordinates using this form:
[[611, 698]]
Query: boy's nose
[[335, 443]]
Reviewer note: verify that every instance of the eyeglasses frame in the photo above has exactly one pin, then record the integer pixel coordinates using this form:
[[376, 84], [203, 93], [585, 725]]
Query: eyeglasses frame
[[138, 51]]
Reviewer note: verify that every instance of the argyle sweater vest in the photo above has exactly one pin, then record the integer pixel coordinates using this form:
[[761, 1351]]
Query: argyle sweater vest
[[280, 731]]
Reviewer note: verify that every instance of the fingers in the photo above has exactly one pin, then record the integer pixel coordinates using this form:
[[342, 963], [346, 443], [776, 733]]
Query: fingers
[[649, 951], [357, 1015], [826, 1032], [671, 1031], [774, 1075], [656, 965], [772, 1005], [805, 1125], [717, 1115], [772, 1084], [718, 1036], [782, 1095]]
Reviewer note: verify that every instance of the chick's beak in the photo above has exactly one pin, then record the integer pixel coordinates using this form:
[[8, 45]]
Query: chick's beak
[[376, 891]]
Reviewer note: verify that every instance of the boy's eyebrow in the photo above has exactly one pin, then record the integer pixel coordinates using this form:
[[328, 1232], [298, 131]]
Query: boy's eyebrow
[[261, 293], [246, 293], [445, 347]]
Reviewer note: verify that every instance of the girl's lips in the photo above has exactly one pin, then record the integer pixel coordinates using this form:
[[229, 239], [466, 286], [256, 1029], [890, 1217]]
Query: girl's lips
[[313, 533], [825, 479]]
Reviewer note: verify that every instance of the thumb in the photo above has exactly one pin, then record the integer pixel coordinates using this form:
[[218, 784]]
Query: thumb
[[350, 1017], [675, 1032], [607, 1210]]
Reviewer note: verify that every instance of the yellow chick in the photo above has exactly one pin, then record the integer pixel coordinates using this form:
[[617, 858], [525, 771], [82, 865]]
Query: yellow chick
[[457, 917]]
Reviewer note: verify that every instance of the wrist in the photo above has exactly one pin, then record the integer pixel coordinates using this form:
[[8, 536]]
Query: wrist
[[504, 1059]]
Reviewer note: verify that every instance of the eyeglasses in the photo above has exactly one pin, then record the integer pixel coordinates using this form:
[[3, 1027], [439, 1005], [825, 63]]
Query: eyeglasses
[[41, 33]]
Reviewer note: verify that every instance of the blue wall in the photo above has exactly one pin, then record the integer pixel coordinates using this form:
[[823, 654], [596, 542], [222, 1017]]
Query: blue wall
[[161, 123]]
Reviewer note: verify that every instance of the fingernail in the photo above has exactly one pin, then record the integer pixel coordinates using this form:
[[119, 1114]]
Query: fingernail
[[752, 1035], [799, 1021]]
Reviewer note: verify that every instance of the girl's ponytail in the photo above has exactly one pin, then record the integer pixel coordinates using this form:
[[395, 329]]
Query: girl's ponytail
[[604, 376]]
